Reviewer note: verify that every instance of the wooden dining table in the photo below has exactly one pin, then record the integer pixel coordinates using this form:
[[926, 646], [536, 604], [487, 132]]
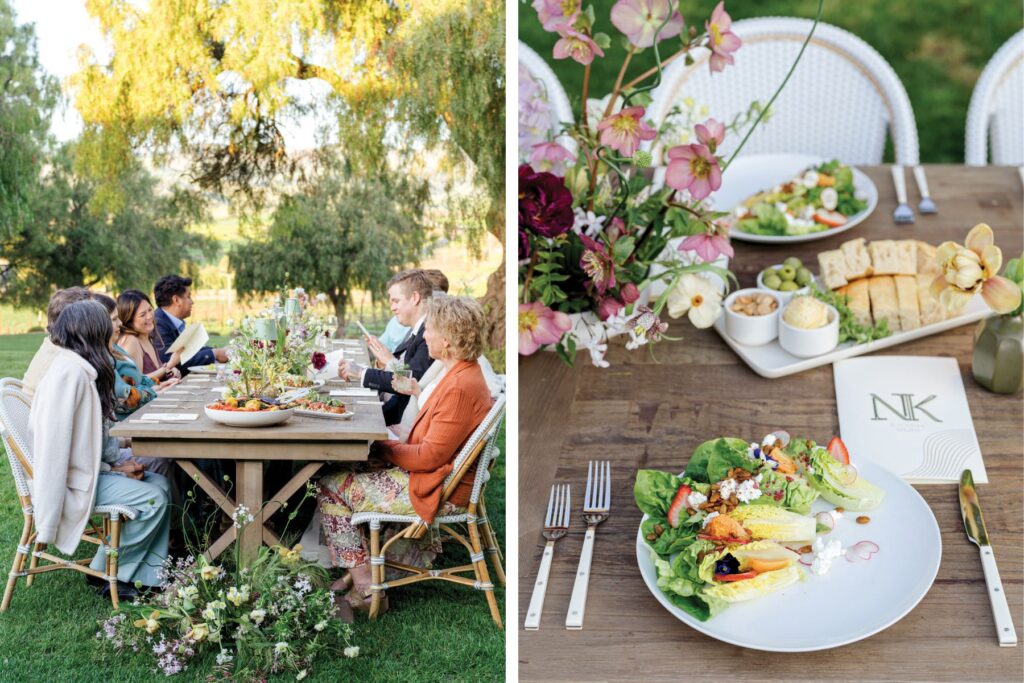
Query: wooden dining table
[[312, 441], [651, 411]]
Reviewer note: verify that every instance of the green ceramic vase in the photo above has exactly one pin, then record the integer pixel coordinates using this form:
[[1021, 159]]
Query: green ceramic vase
[[998, 361]]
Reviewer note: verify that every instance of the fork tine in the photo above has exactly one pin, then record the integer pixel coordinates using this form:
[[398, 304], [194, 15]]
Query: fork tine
[[551, 506], [608, 484], [587, 499], [566, 508]]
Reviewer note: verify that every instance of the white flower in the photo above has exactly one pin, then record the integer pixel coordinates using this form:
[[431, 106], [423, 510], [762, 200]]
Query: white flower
[[258, 615], [209, 613], [587, 223], [352, 652], [299, 676], [281, 647], [597, 352], [224, 657], [241, 516], [320, 626], [697, 296], [188, 592], [238, 595]]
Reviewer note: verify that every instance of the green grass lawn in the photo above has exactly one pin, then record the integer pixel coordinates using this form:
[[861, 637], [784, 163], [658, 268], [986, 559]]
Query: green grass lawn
[[937, 48], [434, 632]]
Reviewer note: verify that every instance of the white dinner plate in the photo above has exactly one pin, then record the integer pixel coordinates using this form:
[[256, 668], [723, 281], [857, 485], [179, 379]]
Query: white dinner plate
[[749, 175], [237, 418], [347, 415], [854, 600]]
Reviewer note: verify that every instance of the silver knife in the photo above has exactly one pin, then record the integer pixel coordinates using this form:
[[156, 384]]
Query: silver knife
[[975, 527]]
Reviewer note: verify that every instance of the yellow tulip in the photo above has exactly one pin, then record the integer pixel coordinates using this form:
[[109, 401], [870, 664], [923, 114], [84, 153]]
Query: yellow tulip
[[150, 623]]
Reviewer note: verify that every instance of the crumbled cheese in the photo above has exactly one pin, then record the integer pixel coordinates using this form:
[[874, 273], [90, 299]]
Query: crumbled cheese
[[695, 499], [704, 524], [810, 178], [748, 491], [727, 487], [824, 553]]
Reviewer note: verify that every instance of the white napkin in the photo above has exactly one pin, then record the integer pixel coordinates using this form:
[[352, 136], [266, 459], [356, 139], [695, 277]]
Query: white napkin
[[356, 391], [167, 417], [370, 403]]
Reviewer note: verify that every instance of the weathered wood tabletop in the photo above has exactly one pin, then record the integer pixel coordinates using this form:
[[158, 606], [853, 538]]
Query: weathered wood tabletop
[[314, 440], [645, 414]]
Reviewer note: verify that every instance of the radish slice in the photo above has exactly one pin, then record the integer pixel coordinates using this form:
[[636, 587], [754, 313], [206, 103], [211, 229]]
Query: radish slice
[[861, 552], [803, 562], [826, 519], [847, 475]]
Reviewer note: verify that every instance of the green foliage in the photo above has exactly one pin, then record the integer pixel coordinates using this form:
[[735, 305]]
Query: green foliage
[[343, 231], [73, 240], [938, 50], [27, 99]]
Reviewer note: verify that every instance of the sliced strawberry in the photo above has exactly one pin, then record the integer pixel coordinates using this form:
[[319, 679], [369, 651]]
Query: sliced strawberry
[[736, 577], [837, 449], [678, 506], [832, 219]]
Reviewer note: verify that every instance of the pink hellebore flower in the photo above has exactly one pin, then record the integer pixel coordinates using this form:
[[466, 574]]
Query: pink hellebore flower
[[539, 325], [629, 293], [598, 264], [550, 157], [624, 131], [721, 40], [710, 133], [556, 13], [693, 168], [608, 307], [709, 246], [639, 19], [578, 46]]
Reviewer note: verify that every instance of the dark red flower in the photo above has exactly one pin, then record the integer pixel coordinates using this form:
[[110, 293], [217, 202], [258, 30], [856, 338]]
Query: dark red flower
[[524, 244], [608, 307], [629, 293], [319, 360], [545, 203]]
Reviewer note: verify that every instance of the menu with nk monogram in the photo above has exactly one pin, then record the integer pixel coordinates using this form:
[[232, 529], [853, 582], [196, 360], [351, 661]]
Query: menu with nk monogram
[[908, 414]]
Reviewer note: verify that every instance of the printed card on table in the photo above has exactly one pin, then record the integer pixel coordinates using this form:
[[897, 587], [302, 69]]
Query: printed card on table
[[908, 414]]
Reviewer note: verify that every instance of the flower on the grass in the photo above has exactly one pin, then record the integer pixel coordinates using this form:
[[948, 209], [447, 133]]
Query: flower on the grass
[[708, 245], [645, 327], [597, 263], [639, 19], [698, 297], [539, 325], [556, 13], [257, 616], [320, 626], [550, 157], [710, 133], [352, 651], [150, 623], [721, 40], [624, 131], [972, 268], [301, 675], [545, 204], [693, 168], [241, 516], [224, 657], [209, 572], [198, 632], [280, 647], [237, 596], [576, 45]]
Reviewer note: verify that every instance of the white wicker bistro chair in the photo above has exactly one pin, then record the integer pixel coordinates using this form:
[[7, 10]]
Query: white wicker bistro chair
[[14, 430], [550, 108], [481, 449], [995, 117], [840, 102]]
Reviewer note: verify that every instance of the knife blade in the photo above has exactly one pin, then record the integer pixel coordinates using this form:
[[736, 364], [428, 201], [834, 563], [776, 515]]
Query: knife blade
[[974, 525]]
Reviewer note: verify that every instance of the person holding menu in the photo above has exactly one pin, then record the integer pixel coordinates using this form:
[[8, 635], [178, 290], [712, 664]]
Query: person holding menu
[[409, 292], [173, 295]]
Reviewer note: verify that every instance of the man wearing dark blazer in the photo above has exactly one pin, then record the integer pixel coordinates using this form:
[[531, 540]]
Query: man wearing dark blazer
[[173, 295], [409, 292]]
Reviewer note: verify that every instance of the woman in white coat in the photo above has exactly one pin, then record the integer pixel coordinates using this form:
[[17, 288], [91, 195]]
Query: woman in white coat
[[68, 410]]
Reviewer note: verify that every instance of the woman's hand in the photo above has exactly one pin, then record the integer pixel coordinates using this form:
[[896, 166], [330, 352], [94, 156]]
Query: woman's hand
[[409, 387], [167, 385], [130, 469]]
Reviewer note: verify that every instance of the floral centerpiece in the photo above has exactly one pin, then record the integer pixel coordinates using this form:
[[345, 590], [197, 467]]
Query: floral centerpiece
[[277, 615], [595, 230]]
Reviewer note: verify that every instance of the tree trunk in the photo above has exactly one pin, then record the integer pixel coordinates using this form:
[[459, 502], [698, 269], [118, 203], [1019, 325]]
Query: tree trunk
[[493, 300], [339, 301]]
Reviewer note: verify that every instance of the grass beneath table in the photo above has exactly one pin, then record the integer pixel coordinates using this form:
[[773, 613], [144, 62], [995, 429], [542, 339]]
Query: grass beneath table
[[436, 631]]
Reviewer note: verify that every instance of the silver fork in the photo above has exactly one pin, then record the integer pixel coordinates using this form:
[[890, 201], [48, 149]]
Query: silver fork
[[903, 212], [596, 505], [926, 205], [556, 524]]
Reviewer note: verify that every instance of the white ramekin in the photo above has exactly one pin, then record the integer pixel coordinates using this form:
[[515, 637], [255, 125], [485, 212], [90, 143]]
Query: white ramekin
[[784, 296], [752, 330], [808, 343]]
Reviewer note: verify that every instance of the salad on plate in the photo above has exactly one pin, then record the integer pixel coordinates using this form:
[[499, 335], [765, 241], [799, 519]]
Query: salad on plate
[[820, 198], [736, 525]]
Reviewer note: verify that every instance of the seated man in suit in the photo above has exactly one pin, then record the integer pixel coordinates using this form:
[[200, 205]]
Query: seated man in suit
[[173, 295], [409, 293]]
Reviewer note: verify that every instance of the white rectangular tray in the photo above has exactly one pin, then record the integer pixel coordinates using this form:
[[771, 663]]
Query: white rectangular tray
[[347, 415], [771, 361]]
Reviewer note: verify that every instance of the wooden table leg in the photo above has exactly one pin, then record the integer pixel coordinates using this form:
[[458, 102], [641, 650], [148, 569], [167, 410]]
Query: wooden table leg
[[249, 478]]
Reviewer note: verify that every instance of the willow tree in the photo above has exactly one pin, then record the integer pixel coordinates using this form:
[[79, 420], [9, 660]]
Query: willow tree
[[216, 81]]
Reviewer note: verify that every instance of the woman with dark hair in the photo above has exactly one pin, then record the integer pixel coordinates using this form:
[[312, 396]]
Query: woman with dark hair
[[72, 474], [139, 338]]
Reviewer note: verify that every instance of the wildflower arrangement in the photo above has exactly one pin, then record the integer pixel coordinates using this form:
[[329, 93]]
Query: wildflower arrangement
[[274, 616], [594, 228]]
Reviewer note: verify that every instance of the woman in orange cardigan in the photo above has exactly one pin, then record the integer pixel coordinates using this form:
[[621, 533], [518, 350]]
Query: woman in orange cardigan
[[407, 478]]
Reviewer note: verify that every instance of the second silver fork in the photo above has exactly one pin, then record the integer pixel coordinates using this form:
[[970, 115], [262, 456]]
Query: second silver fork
[[556, 524], [596, 506]]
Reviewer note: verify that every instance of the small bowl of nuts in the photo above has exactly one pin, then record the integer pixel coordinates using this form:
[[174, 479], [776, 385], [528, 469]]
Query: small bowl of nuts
[[752, 316]]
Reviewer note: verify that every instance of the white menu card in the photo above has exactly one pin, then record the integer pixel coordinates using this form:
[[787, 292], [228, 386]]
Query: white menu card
[[908, 414]]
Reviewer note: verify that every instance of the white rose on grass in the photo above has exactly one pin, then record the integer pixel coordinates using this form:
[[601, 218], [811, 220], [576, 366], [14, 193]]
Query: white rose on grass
[[352, 652], [697, 297], [281, 647]]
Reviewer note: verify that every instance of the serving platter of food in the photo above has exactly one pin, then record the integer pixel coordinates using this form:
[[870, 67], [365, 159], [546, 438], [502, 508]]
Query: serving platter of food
[[248, 412], [784, 546], [788, 198], [867, 296], [328, 408]]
